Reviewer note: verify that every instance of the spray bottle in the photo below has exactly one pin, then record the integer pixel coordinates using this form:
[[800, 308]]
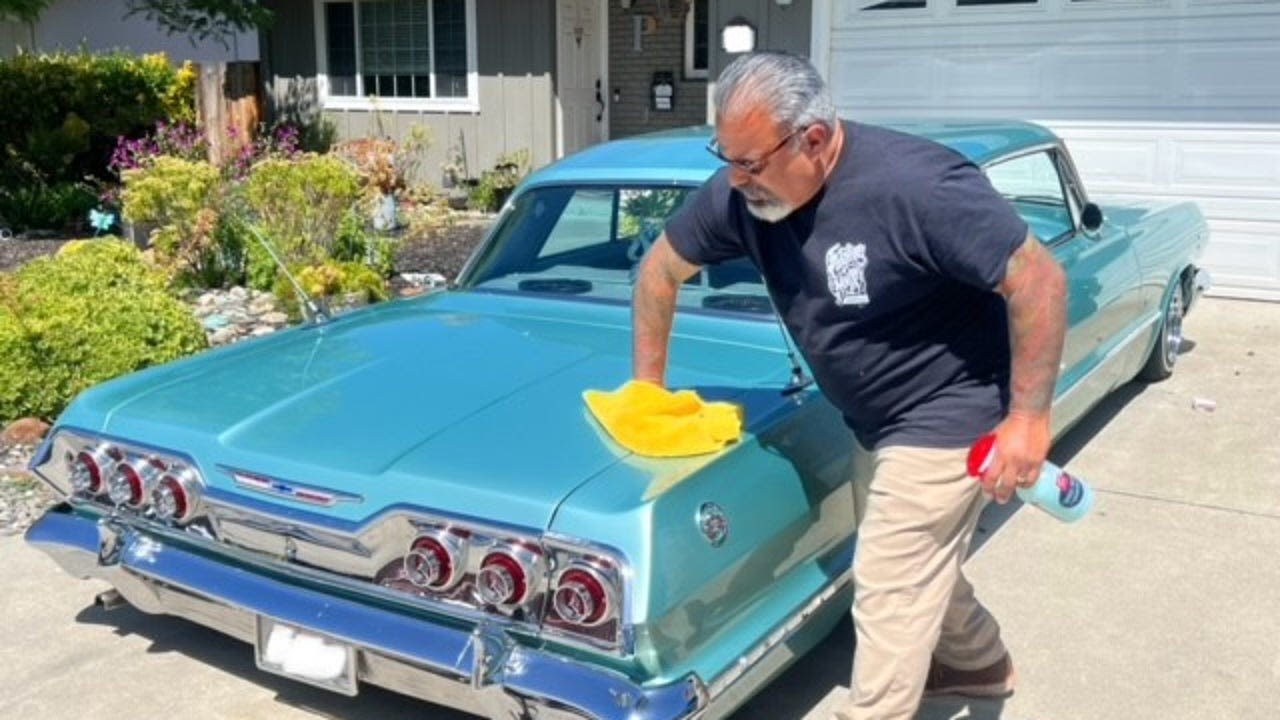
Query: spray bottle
[[1056, 491]]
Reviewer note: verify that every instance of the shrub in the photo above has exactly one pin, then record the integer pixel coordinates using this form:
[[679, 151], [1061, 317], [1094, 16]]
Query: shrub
[[300, 204], [183, 200], [40, 206], [497, 183], [180, 140], [338, 284], [64, 111], [94, 311]]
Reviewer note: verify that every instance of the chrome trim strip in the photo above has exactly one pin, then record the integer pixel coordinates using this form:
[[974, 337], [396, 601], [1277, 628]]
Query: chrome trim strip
[[758, 655], [1106, 360], [408, 651]]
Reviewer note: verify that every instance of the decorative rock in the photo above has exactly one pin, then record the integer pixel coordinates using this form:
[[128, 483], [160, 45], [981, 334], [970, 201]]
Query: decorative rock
[[215, 321], [262, 305], [22, 496], [26, 431], [229, 315], [424, 280], [222, 336]]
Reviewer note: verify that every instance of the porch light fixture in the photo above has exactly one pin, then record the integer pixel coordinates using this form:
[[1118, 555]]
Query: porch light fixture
[[738, 36], [626, 4]]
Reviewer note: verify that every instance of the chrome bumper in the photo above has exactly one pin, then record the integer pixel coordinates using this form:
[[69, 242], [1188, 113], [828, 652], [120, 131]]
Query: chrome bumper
[[1201, 283], [482, 671]]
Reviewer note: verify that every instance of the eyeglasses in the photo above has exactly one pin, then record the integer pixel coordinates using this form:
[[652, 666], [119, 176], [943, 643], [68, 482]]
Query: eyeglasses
[[752, 167]]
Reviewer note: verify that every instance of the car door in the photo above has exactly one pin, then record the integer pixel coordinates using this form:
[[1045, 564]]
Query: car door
[[1101, 267]]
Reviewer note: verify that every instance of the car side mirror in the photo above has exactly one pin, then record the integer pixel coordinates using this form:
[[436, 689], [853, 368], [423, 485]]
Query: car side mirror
[[1091, 217]]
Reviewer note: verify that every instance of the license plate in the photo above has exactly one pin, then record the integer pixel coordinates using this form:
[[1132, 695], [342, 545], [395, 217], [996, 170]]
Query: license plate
[[306, 656]]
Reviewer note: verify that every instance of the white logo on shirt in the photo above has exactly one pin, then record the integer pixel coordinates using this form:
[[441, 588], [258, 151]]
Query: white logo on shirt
[[846, 274]]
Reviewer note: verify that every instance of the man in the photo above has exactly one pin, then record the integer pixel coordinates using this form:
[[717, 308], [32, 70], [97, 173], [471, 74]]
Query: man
[[929, 315]]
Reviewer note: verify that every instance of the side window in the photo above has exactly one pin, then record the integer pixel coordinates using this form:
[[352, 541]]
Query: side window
[[1032, 184]]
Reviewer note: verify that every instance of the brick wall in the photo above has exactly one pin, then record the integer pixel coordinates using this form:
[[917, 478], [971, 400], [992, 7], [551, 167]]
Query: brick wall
[[631, 70]]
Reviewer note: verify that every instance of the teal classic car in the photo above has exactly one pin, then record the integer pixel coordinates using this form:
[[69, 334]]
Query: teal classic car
[[415, 496]]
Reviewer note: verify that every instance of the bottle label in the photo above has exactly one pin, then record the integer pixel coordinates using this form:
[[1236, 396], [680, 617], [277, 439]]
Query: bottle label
[[1070, 491]]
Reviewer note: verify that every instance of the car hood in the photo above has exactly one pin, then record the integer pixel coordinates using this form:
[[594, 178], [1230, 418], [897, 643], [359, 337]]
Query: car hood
[[461, 402]]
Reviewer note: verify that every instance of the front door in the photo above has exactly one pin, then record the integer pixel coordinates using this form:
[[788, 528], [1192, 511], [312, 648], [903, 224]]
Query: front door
[[580, 81]]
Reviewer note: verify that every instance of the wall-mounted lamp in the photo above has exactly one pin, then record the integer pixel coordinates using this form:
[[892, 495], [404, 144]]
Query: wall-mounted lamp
[[783, 3], [738, 36], [626, 4]]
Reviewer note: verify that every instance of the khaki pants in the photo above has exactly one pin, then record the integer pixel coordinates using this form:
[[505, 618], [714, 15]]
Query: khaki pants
[[916, 511]]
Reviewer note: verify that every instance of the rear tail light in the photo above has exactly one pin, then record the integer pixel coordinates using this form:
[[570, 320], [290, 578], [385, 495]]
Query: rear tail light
[[89, 470], [585, 601], [176, 496], [581, 596], [435, 561], [504, 577], [127, 485]]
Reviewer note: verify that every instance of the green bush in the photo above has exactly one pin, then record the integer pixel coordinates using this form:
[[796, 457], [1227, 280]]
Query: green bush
[[64, 111], [94, 311], [355, 243], [300, 204], [40, 206], [496, 184], [183, 200], [336, 283]]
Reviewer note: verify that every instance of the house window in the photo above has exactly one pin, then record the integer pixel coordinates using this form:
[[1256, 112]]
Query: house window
[[407, 52], [891, 4], [695, 40]]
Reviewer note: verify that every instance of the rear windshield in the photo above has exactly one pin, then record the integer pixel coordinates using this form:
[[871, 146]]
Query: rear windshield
[[586, 242]]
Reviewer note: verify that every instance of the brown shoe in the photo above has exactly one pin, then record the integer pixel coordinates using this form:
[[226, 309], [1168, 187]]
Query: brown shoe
[[994, 681]]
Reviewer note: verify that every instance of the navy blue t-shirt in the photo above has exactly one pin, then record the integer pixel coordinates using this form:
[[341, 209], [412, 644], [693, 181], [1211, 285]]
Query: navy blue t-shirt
[[886, 279]]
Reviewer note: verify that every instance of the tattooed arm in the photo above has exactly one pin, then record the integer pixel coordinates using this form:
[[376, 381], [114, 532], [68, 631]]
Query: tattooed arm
[[1034, 287], [653, 304]]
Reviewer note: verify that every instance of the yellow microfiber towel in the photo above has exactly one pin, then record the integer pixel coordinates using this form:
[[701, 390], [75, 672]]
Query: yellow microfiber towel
[[650, 420]]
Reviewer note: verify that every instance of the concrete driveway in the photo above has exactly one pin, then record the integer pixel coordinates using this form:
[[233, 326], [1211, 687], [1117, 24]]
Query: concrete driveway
[[1162, 605]]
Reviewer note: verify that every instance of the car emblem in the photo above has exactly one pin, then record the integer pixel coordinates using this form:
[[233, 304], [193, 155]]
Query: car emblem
[[713, 523], [309, 494]]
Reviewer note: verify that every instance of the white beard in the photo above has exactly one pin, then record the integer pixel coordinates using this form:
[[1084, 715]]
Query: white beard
[[770, 211]]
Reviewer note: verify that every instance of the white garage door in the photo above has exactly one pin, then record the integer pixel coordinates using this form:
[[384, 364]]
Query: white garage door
[[1158, 99]]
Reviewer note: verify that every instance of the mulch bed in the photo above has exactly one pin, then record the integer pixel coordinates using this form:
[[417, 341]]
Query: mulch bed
[[14, 253]]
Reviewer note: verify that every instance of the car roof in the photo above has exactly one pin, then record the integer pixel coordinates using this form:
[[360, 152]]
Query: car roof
[[679, 157]]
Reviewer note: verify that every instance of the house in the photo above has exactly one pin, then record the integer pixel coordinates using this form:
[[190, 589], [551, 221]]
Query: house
[[1159, 99], [490, 77]]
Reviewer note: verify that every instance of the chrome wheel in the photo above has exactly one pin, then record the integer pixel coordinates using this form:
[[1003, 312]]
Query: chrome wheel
[[1164, 353], [1172, 339]]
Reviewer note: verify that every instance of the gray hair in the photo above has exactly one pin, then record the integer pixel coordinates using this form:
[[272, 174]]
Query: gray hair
[[789, 85]]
